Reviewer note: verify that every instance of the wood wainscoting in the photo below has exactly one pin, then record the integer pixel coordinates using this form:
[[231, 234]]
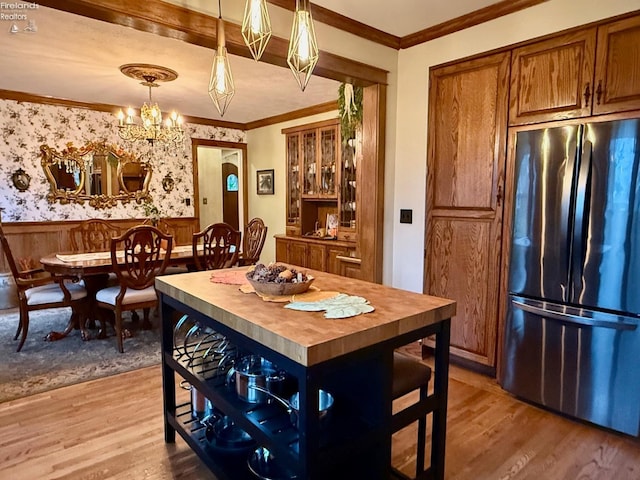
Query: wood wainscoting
[[33, 240]]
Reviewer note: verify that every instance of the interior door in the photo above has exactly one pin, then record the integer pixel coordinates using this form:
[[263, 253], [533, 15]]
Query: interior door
[[230, 194]]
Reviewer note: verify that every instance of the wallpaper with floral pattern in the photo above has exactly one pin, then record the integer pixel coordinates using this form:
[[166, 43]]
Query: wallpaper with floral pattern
[[26, 126]]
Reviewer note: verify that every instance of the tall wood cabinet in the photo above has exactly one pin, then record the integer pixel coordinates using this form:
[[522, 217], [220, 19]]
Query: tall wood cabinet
[[465, 177], [586, 72]]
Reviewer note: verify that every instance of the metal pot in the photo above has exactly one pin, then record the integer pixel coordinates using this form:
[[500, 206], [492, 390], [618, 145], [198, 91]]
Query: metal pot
[[224, 433], [325, 403], [255, 371], [201, 406]]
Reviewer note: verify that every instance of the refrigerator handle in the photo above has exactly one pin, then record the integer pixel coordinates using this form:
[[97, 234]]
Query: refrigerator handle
[[582, 209], [571, 318]]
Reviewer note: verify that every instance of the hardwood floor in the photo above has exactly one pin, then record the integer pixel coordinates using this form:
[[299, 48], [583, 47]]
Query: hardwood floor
[[112, 429]]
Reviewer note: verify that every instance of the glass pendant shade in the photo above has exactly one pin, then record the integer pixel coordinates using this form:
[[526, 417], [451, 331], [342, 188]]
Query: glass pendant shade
[[256, 27], [303, 48], [221, 87]]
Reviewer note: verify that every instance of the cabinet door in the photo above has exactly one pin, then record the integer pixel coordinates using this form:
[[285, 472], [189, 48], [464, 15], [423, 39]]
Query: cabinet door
[[309, 164], [617, 78], [333, 264], [328, 161], [553, 79], [347, 205], [293, 183], [465, 166], [298, 254], [316, 258], [282, 250]]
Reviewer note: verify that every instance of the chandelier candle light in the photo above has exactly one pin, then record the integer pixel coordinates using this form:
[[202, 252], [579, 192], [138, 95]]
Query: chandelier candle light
[[151, 129], [303, 48], [221, 87]]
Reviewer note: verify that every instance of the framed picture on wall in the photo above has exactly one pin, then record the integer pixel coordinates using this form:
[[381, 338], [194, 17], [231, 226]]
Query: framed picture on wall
[[264, 182]]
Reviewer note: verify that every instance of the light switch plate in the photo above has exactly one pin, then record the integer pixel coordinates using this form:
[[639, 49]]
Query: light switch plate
[[406, 216]]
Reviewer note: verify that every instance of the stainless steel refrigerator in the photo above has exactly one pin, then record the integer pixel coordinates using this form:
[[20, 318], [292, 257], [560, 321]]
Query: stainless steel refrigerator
[[572, 338]]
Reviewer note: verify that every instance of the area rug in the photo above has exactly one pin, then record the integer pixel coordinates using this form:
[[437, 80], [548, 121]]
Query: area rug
[[42, 366]]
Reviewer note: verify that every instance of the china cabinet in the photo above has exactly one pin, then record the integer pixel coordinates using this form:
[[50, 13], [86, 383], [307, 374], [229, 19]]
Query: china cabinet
[[321, 192]]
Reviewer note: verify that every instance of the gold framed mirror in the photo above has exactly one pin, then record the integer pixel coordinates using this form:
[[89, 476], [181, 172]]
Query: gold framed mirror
[[98, 172]]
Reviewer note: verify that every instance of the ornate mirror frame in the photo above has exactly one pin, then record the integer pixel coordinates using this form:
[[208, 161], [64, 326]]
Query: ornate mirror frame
[[74, 160]]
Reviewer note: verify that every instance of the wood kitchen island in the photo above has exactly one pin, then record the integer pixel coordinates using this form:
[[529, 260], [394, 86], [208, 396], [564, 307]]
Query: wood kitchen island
[[352, 358]]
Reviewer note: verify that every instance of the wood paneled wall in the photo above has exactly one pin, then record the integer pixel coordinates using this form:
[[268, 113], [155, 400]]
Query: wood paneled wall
[[36, 239]]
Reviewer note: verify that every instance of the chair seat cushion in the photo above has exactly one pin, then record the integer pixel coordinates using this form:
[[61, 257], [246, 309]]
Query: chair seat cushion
[[409, 374], [108, 295], [52, 293]]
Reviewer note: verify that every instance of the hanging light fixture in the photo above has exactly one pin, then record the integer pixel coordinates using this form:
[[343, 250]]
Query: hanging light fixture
[[256, 27], [151, 129], [221, 88], [303, 49]]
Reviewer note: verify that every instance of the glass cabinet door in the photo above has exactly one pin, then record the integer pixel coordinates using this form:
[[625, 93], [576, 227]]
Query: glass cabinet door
[[293, 169], [310, 179], [328, 161], [348, 188]]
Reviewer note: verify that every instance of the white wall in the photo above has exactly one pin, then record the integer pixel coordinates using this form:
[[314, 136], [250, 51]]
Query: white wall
[[210, 185], [266, 149], [411, 128]]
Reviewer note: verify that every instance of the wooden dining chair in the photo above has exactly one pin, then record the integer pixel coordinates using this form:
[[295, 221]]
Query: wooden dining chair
[[93, 235], [255, 233], [217, 246], [143, 258], [170, 229], [38, 290]]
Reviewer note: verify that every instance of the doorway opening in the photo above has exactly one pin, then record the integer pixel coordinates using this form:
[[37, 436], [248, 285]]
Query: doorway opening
[[220, 195]]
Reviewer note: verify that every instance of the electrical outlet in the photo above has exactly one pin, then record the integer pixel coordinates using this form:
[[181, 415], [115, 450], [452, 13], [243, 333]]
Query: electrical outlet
[[406, 216], [204, 201]]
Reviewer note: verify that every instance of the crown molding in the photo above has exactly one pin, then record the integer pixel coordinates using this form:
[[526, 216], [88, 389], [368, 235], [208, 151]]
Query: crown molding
[[476, 17], [104, 107], [333, 19], [302, 113]]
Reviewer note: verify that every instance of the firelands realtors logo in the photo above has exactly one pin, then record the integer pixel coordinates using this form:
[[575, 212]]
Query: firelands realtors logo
[[18, 14]]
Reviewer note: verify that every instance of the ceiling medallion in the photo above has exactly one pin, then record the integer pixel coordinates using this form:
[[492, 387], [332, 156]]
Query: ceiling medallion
[[151, 128]]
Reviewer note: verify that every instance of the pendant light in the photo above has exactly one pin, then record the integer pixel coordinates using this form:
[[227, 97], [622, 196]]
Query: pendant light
[[221, 87], [256, 27], [303, 49]]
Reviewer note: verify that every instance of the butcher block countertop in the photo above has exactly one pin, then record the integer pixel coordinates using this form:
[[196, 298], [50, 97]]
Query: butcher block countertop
[[307, 337]]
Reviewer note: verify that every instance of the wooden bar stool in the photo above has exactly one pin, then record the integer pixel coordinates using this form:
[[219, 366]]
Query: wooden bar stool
[[409, 374]]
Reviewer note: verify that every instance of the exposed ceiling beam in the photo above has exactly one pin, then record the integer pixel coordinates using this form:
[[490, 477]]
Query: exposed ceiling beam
[[177, 22]]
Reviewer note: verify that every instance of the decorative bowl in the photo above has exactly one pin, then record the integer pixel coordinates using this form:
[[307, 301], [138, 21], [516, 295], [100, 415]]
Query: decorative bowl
[[283, 288]]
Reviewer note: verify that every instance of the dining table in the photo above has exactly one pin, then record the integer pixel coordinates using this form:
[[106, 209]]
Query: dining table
[[93, 269], [349, 357]]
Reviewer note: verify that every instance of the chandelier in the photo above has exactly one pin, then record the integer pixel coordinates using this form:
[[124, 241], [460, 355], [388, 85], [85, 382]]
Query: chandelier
[[151, 127]]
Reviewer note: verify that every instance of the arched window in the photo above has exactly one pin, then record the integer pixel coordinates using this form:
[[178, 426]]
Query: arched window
[[232, 183]]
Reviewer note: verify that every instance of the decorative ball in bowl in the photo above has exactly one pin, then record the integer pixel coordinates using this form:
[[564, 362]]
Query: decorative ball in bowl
[[278, 279]]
